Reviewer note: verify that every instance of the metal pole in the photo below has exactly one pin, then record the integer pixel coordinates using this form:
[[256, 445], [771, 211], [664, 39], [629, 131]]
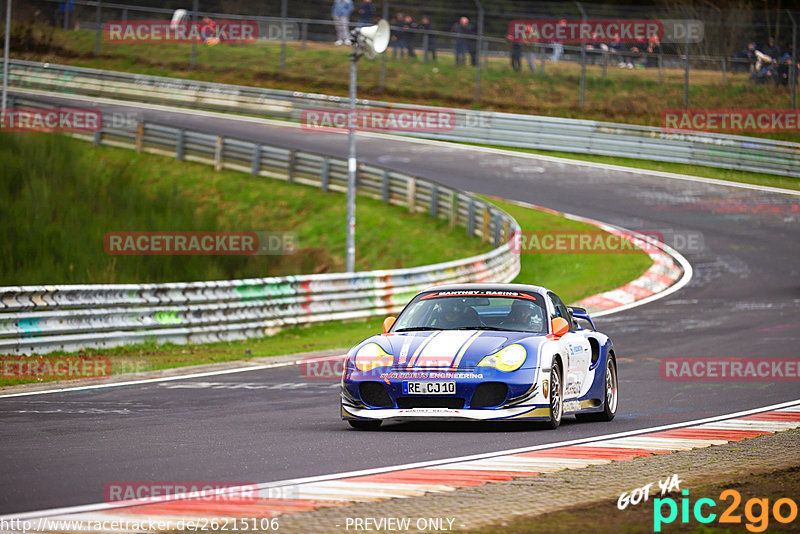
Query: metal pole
[[195, 9], [793, 70], [605, 64], [382, 83], [686, 66], [583, 60], [98, 19], [5, 56], [284, 14], [66, 14], [478, 47], [350, 262], [660, 66]]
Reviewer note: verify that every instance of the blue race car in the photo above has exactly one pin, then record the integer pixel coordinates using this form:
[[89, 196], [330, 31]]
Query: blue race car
[[489, 352]]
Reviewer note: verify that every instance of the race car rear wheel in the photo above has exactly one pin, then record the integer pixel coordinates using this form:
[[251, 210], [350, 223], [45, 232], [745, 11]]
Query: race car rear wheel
[[365, 425], [611, 396], [556, 398]]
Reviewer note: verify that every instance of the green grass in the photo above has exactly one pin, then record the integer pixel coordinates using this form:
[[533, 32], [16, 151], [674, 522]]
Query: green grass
[[61, 196], [572, 276]]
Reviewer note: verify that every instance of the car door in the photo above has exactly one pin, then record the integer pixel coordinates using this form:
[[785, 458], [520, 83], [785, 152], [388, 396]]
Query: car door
[[576, 348]]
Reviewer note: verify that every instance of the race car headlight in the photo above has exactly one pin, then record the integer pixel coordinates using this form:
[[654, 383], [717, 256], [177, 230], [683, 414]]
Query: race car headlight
[[371, 356], [508, 359]]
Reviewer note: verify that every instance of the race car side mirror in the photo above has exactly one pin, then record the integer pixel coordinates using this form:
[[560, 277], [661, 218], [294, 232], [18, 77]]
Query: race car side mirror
[[559, 326], [388, 323]]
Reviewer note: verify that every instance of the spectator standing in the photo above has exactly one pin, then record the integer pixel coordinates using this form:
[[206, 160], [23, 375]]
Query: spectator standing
[[558, 47], [463, 29], [530, 57], [428, 39], [772, 50], [366, 13], [410, 36], [341, 17], [784, 70], [398, 36], [516, 53]]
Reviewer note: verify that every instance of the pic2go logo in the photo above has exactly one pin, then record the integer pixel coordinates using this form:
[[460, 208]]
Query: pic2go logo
[[783, 510]]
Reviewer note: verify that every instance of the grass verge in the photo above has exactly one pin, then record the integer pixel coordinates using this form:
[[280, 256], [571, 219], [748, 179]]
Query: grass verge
[[53, 229], [771, 485]]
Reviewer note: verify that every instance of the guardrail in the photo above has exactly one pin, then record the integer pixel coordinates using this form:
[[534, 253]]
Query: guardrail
[[492, 128], [40, 319]]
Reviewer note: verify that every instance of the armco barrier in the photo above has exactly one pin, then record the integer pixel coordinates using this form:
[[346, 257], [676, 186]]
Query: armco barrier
[[40, 319], [502, 129]]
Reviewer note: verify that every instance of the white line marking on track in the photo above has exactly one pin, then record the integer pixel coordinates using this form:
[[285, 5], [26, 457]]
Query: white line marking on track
[[153, 380]]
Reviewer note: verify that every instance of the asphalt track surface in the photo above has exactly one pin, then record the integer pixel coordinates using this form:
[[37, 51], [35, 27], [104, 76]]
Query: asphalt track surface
[[268, 425]]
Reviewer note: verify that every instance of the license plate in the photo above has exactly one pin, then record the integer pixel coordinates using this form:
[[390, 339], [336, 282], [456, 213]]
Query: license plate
[[429, 388]]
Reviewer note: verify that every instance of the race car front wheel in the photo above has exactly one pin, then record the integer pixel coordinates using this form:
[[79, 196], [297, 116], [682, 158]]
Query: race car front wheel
[[556, 398]]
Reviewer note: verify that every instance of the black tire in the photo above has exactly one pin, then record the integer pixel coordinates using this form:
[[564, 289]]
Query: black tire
[[365, 425], [611, 400], [556, 396]]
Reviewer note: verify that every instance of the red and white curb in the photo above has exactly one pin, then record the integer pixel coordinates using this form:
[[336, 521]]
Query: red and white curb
[[305, 495]]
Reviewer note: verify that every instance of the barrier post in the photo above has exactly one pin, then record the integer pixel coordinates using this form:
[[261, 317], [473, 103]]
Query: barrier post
[[139, 136], [485, 224], [218, 153], [324, 174], [411, 195], [385, 189], [255, 165]]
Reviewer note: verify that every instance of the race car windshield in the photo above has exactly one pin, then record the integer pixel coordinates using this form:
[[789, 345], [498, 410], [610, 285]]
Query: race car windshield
[[520, 312]]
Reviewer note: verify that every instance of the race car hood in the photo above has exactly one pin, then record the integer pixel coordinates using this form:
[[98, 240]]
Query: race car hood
[[450, 348]]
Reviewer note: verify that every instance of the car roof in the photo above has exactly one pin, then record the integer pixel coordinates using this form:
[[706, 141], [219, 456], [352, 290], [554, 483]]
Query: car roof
[[487, 287]]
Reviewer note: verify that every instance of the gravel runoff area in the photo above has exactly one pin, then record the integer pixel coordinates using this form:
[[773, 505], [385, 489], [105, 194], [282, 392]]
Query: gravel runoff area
[[500, 503]]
